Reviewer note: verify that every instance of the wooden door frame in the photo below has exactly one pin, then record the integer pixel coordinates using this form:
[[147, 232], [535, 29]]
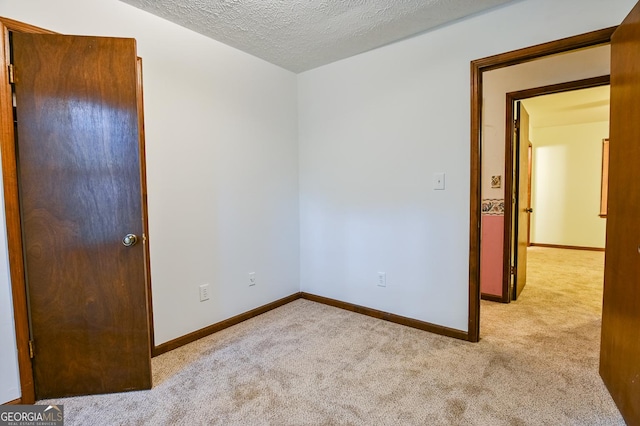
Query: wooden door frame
[[12, 211], [529, 175], [478, 67], [510, 153]]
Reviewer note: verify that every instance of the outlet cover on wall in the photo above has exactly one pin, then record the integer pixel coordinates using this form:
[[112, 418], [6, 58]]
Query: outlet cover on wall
[[252, 279], [204, 292], [382, 279]]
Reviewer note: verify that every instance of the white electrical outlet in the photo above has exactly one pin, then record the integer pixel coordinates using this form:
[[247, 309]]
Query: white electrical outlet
[[252, 279], [382, 279], [204, 292]]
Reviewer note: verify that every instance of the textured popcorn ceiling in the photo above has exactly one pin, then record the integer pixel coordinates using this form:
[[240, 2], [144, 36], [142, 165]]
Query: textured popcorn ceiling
[[303, 34]]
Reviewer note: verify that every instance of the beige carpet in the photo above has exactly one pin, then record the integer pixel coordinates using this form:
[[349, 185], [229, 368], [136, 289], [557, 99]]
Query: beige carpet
[[310, 364]]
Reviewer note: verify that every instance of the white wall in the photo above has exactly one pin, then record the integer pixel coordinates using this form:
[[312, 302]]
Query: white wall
[[376, 127], [9, 380], [222, 163], [566, 179]]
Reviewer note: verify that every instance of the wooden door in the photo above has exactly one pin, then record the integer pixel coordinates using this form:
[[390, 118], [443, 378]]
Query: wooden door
[[521, 209], [620, 347], [80, 194]]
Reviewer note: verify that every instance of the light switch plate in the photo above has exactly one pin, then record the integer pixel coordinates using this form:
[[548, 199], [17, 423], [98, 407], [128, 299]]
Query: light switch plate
[[204, 292]]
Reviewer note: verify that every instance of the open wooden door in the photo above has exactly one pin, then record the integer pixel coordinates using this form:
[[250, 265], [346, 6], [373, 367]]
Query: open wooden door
[[82, 214], [521, 210], [620, 347]]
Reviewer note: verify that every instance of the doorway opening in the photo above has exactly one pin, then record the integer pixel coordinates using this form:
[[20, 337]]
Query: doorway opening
[[482, 130], [561, 192], [568, 123]]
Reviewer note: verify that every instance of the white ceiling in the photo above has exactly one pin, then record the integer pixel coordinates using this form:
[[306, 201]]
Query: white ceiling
[[303, 34], [566, 108]]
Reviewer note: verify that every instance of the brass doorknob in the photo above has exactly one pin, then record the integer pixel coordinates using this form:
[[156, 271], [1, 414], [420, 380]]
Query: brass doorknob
[[129, 240], [529, 210]]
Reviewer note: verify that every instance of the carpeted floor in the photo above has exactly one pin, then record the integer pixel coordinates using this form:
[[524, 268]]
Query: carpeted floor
[[310, 364]]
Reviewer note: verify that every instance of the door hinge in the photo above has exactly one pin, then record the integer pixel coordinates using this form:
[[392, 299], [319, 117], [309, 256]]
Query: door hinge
[[513, 270], [31, 353], [11, 74]]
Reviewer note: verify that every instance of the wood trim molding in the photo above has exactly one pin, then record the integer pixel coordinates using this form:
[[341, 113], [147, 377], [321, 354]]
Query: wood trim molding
[[604, 179], [145, 206], [14, 402], [475, 211], [508, 206], [493, 298], [478, 67], [514, 57], [219, 326], [558, 246], [409, 322], [13, 25], [586, 83]]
